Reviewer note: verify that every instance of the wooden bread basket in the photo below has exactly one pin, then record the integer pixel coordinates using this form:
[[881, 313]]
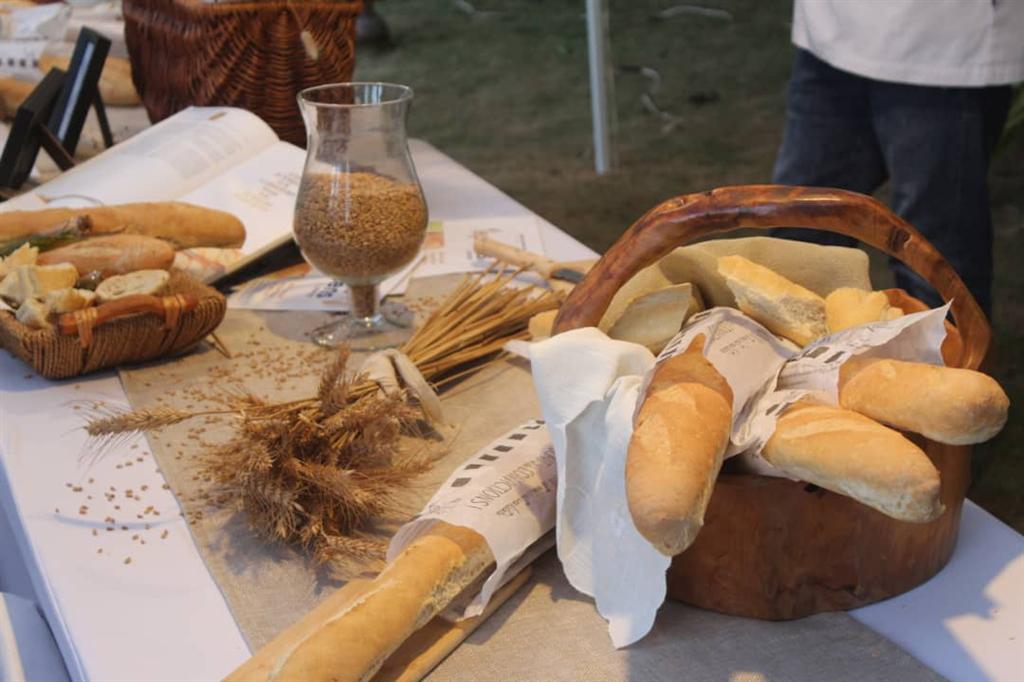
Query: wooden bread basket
[[773, 548], [140, 329]]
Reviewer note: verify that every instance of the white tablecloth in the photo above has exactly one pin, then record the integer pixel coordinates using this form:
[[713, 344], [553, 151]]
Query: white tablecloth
[[161, 617]]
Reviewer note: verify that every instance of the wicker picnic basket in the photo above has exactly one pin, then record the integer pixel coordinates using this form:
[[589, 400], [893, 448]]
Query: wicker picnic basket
[[244, 54], [773, 548], [125, 339]]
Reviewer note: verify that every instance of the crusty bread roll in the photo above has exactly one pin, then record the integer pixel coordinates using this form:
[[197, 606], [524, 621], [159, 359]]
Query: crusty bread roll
[[945, 404], [675, 453], [848, 453], [183, 225], [785, 308], [849, 307], [346, 639], [114, 254]]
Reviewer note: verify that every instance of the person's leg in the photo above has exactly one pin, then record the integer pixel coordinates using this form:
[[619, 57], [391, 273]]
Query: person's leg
[[937, 143], [828, 140]]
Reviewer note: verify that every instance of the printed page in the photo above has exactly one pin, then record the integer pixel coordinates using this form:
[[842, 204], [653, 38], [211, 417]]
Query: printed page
[[261, 192], [506, 493], [162, 163], [448, 247]]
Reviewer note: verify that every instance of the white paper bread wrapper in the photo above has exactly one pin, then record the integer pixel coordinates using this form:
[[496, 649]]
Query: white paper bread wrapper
[[505, 492], [767, 374], [589, 388]]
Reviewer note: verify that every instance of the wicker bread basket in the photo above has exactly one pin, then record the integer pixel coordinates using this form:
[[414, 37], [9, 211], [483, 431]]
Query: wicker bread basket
[[773, 548], [244, 54], [128, 339]]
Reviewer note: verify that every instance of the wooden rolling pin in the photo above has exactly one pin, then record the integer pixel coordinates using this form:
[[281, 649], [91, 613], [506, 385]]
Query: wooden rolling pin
[[543, 266], [349, 636]]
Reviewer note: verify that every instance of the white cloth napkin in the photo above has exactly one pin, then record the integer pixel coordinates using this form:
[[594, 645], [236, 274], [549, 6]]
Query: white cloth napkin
[[588, 386]]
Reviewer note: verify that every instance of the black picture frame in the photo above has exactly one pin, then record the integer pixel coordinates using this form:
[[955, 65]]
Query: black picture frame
[[29, 130], [53, 115], [81, 91]]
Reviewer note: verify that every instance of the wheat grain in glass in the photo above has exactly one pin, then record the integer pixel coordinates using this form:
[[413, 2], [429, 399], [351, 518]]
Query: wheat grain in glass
[[360, 214]]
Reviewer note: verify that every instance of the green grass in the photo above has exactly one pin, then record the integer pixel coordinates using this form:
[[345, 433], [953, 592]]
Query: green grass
[[507, 95]]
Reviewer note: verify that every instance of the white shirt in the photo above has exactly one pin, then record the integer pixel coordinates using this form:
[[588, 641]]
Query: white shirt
[[921, 42]]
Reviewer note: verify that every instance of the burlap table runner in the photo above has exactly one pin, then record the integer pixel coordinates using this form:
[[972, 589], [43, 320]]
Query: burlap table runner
[[547, 631]]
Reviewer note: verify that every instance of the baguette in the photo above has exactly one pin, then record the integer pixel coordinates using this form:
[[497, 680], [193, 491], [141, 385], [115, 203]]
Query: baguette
[[183, 225], [946, 404], [784, 307], [676, 451], [347, 638], [114, 254], [849, 307], [848, 453]]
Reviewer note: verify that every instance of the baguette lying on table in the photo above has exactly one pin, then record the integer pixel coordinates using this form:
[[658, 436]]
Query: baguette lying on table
[[349, 639], [183, 225]]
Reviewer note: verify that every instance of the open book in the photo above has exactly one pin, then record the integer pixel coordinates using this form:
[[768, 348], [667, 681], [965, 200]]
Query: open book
[[229, 159], [218, 157]]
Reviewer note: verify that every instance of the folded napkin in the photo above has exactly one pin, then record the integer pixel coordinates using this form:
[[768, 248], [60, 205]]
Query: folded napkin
[[588, 387]]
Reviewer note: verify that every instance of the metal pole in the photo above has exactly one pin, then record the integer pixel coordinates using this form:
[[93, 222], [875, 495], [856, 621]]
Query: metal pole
[[601, 86]]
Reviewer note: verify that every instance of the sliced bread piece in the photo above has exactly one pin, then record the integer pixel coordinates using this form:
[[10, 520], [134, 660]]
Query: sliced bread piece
[[784, 307], [139, 282]]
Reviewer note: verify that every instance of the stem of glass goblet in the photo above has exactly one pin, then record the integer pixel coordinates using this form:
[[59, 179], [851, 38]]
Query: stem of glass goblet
[[365, 303]]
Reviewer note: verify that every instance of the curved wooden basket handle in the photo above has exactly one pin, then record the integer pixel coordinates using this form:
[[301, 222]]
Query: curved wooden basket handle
[[683, 219]]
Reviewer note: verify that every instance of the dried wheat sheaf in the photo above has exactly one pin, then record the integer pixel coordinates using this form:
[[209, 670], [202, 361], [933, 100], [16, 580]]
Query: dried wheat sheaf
[[319, 472]]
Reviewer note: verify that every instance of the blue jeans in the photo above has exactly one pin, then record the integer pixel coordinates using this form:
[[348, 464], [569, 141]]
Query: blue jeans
[[932, 144]]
